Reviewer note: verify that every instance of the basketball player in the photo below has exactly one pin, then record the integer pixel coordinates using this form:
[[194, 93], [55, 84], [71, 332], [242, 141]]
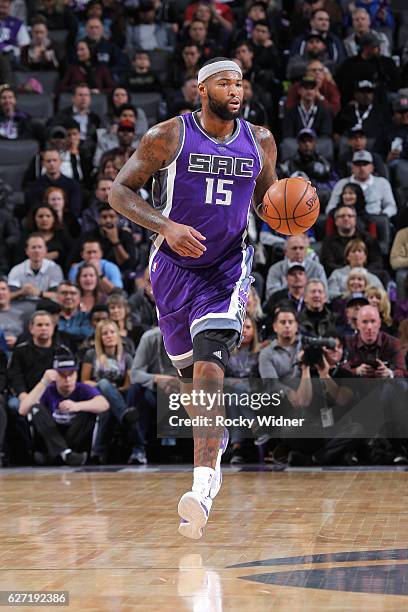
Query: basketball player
[[207, 167]]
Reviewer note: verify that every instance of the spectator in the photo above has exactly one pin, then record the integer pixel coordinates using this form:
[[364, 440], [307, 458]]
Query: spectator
[[392, 144], [316, 319], [361, 27], [185, 67], [349, 307], [309, 114], [266, 55], [362, 111], [329, 94], [9, 237], [80, 111], [142, 306], [126, 135], [197, 35], [295, 250], [150, 33], [107, 367], [97, 313], [13, 32], [110, 167], [109, 273], [280, 360], [296, 280], [32, 358], [380, 14], [368, 65], [356, 285], [14, 124], [377, 190], [43, 220], [119, 313], [151, 369], [355, 255], [252, 110], [357, 141], [87, 281], [11, 319], [262, 79], [34, 278], [332, 253], [56, 198], [141, 78], [3, 414], [41, 53], [98, 78], [223, 11], [63, 413], [243, 365], [218, 28], [112, 15], [90, 216], [117, 97], [59, 17], [117, 244], [108, 138], [311, 163], [320, 23], [53, 177], [315, 49], [186, 95], [379, 299], [72, 320], [399, 259], [103, 51]]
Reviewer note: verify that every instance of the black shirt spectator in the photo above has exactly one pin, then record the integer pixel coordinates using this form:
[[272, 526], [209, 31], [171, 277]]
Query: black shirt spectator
[[316, 319], [117, 244], [41, 53], [308, 113], [368, 65], [141, 78], [357, 141], [363, 110], [54, 178]]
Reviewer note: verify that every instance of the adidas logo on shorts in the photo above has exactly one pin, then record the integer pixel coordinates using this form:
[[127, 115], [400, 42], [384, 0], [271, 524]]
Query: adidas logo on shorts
[[218, 354]]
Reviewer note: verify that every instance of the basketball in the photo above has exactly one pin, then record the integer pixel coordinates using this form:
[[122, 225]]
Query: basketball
[[290, 206]]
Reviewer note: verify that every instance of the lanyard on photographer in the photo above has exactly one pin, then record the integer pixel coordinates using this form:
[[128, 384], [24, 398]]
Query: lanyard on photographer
[[307, 117], [363, 117]]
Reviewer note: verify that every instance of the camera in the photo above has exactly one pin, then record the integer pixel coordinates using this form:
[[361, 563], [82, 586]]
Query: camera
[[313, 349]]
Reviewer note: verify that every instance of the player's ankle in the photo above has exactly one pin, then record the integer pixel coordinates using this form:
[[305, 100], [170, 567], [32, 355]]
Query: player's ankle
[[203, 477]]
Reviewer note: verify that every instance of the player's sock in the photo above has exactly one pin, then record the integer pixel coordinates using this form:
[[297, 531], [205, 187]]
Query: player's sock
[[203, 477]]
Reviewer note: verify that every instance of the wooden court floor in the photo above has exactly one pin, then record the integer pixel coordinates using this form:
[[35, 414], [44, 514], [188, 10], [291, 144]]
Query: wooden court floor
[[296, 540]]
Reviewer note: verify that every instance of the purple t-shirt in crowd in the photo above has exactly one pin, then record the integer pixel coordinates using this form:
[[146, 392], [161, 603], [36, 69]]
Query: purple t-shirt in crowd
[[51, 399]]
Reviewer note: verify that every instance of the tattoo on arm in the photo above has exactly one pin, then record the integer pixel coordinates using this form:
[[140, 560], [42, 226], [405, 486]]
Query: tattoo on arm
[[268, 174], [156, 149]]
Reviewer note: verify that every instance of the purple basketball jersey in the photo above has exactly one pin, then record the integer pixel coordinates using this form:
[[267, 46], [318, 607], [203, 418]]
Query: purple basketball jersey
[[209, 186]]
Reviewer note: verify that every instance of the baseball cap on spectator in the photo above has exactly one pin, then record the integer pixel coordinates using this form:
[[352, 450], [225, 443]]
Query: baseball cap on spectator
[[315, 34], [126, 125], [308, 82], [356, 129], [362, 156], [357, 298], [369, 40], [65, 363], [306, 132], [295, 265], [58, 131], [364, 86], [400, 104]]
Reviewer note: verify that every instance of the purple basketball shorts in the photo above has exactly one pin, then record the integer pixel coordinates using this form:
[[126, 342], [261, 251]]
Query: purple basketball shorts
[[192, 300]]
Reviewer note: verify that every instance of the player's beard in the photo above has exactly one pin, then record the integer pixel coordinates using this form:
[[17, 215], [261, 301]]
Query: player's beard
[[221, 110]]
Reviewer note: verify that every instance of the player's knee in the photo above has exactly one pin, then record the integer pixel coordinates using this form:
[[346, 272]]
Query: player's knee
[[211, 351]]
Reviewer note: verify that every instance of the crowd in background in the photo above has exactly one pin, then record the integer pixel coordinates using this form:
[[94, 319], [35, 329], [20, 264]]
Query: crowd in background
[[77, 314]]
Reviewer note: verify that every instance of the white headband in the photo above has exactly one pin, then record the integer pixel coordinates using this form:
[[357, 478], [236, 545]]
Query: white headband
[[215, 67]]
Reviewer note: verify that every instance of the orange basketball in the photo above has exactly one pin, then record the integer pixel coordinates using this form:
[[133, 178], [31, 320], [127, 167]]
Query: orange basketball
[[290, 206]]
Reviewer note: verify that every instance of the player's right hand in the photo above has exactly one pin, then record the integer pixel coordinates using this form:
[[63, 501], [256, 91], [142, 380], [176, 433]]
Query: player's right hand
[[184, 239]]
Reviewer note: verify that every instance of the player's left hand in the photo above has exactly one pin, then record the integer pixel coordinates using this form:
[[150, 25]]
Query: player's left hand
[[183, 239]]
